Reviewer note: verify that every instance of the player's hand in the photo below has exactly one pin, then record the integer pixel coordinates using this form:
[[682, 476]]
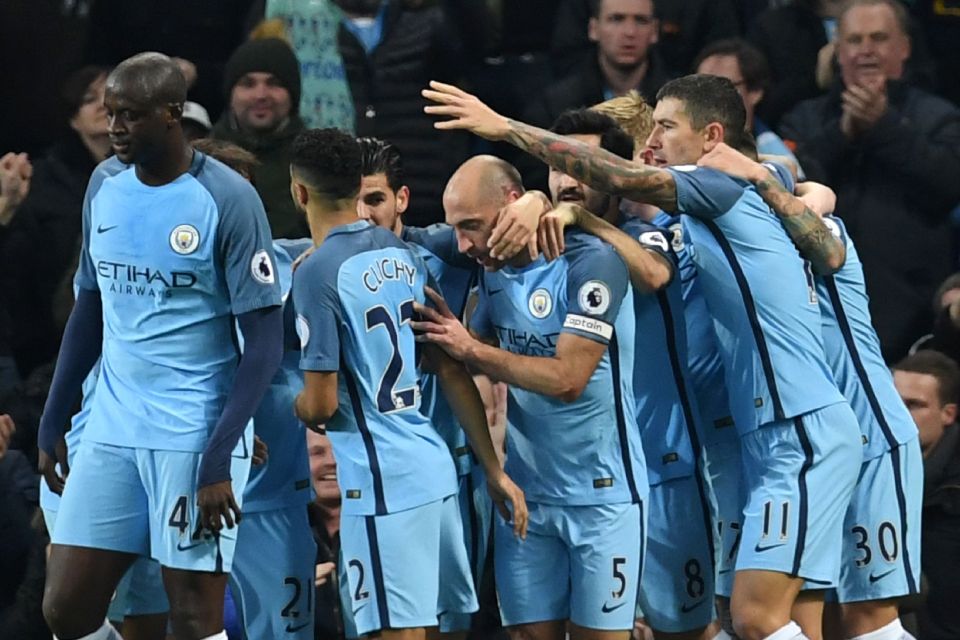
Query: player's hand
[[441, 327], [260, 451], [325, 571], [551, 229], [819, 198], [7, 427], [303, 256], [503, 490], [466, 112], [517, 225], [48, 467], [725, 158], [217, 506]]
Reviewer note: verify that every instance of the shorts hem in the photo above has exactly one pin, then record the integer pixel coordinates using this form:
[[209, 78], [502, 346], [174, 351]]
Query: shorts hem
[[403, 625], [819, 581]]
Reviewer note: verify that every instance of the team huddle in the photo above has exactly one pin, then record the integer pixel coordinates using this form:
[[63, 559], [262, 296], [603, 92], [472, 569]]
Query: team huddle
[[701, 429]]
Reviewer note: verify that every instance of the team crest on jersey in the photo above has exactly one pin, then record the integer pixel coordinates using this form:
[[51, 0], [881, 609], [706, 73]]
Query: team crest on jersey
[[540, 303], [594, 297], [303, 330], [185, 239], [261, 268]]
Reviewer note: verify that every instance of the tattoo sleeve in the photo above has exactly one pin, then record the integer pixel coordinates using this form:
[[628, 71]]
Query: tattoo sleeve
[[813, 239], [598, 168]]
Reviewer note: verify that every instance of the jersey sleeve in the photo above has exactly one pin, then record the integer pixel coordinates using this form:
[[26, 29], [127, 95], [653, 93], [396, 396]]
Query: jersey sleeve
[[653, 239], [86, 277], [246, 251], [597, 282], [318, 315], [838, 229], [440, 240], [782, 174], [705, 193]]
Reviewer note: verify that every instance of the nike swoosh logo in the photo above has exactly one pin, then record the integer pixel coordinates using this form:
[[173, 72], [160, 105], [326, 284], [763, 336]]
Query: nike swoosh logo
[[607, 608], [723, 571], [103, 229], [874, 578], [494, 291], [687, 609], [291, 628], [180, 546], [760, 549]]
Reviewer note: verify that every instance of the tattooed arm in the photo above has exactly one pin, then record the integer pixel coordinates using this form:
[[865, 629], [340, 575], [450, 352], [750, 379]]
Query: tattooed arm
[[813, 239], [600, 169]]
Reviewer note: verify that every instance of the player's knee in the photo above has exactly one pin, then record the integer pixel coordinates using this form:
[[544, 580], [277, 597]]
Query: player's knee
[[754, 622], [65, 619]]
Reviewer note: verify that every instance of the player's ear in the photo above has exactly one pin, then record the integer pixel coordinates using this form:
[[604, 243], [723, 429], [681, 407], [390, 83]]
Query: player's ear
[[174, 113], [592, 29], [712, 136], [403, 199], [949, 413]]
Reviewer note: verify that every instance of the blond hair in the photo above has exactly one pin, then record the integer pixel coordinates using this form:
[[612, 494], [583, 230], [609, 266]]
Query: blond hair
[[632, 113]]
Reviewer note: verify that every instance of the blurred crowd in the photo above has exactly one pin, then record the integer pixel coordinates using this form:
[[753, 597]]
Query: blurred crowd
[[873, 114]]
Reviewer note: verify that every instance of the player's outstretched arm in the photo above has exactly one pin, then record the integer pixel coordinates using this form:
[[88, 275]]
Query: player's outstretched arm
[[563, 376], [79, 350], [812, 237], [263, 350], [598, 168], [464, 398], [649, 271]]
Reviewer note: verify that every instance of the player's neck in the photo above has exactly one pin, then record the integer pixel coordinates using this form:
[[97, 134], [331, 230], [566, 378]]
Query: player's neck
[[323, 217], [167, 166], [621, 80]]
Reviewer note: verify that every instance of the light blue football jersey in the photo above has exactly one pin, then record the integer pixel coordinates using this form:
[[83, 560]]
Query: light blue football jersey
[[666, 408], [704, 364], [284, 481], [456, 273], [354, 298], [588, 451], [853, 353], [173, 265], [762, 298]]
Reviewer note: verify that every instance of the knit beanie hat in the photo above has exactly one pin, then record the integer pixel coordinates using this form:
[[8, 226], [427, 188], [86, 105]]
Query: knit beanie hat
[[267, 55]]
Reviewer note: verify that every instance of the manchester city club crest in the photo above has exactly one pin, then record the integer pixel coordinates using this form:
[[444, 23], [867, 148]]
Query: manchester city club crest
[[185, 239], [540, 303]]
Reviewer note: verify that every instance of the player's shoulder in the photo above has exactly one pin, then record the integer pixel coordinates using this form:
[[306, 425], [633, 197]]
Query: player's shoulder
[[292, 248], [106, 169], [587, 253]]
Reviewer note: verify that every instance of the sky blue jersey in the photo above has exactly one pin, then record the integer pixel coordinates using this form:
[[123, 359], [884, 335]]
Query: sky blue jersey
[[666, 407], [284, 481], [761, 296], [173, 265], [588, 451], [456, 273], [704, 365], [354, 298], [853, 353]]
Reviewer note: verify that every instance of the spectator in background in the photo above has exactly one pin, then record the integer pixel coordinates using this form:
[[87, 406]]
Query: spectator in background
[[195, 121], [325, 521], [685, 27], [262, 83], [390, 52], [798, 40], [311, 28], [198, 35], [929, 383], [892, 154], [744, 65], [15, 172], [945, 336], [48, 220]]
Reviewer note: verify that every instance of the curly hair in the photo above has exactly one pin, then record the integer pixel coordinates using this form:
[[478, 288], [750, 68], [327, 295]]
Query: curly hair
[[327, 160]]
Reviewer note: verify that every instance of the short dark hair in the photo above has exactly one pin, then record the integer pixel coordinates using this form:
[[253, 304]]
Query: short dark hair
[[596, 4], [753, 64], [76, 85], [379, 156], [586, 122], [942, 367], [328, 160], [708, 99]]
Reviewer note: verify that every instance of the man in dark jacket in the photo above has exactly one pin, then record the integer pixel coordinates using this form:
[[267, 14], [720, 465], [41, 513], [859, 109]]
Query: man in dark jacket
[[929, 383], [390, 53], [262, 83], [892, 154]]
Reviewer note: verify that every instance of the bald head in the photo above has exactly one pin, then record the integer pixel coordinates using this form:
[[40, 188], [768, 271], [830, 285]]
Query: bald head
[[482, 181], [472, 201], [150, 79]]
